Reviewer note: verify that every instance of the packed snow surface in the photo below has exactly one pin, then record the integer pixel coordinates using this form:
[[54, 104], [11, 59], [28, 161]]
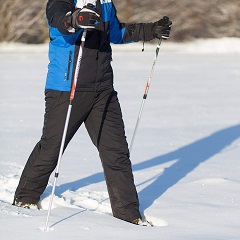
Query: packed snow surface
[[186, 155]]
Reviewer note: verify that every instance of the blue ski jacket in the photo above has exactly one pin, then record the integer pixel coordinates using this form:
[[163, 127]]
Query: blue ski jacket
[[95, 70]]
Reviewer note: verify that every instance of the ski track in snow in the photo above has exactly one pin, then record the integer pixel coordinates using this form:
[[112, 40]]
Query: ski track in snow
[[95, 201]]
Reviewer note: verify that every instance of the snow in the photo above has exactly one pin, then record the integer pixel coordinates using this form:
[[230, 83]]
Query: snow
[[185, 156]]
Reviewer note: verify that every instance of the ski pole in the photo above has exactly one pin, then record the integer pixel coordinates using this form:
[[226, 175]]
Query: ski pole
[[72, 93], [145, 94]]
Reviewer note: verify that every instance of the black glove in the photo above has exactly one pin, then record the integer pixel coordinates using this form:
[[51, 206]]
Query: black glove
[[161, 28], [86, 17]]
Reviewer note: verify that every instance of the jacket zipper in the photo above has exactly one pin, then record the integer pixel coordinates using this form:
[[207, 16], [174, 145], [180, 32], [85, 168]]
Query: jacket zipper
[[69, 64]]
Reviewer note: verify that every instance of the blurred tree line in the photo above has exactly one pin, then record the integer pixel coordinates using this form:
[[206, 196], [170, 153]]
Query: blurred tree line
[[25, 20]]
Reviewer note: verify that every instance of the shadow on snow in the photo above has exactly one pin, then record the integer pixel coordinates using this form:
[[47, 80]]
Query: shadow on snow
[[187, 159]]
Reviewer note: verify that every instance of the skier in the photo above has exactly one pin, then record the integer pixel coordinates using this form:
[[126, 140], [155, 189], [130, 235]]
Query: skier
[[95, 102]]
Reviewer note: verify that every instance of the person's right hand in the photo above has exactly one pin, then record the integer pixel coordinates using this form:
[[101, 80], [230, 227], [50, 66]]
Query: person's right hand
[[86, 17]]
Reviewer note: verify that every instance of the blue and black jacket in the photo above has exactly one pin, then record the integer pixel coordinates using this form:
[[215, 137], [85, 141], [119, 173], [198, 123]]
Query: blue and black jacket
[[95, 71]]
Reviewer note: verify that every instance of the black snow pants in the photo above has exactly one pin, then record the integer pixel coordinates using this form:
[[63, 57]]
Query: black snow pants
[[101, 113]]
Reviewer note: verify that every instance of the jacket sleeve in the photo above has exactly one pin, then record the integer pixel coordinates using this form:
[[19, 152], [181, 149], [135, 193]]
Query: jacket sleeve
[[56, 12], [129, 32]]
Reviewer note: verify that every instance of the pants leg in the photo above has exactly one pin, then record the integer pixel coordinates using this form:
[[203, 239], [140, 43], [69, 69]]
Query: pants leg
[[106, 129], [44, 156]]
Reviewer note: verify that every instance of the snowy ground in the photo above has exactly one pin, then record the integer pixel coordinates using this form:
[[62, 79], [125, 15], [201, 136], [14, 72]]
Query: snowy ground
[[185, 157]]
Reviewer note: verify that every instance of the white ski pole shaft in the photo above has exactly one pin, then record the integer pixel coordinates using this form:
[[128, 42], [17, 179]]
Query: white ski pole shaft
[[72, 93], [145, 94]]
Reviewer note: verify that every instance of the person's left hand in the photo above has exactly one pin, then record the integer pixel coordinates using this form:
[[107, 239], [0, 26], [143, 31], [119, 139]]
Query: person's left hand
[[162, 28]]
